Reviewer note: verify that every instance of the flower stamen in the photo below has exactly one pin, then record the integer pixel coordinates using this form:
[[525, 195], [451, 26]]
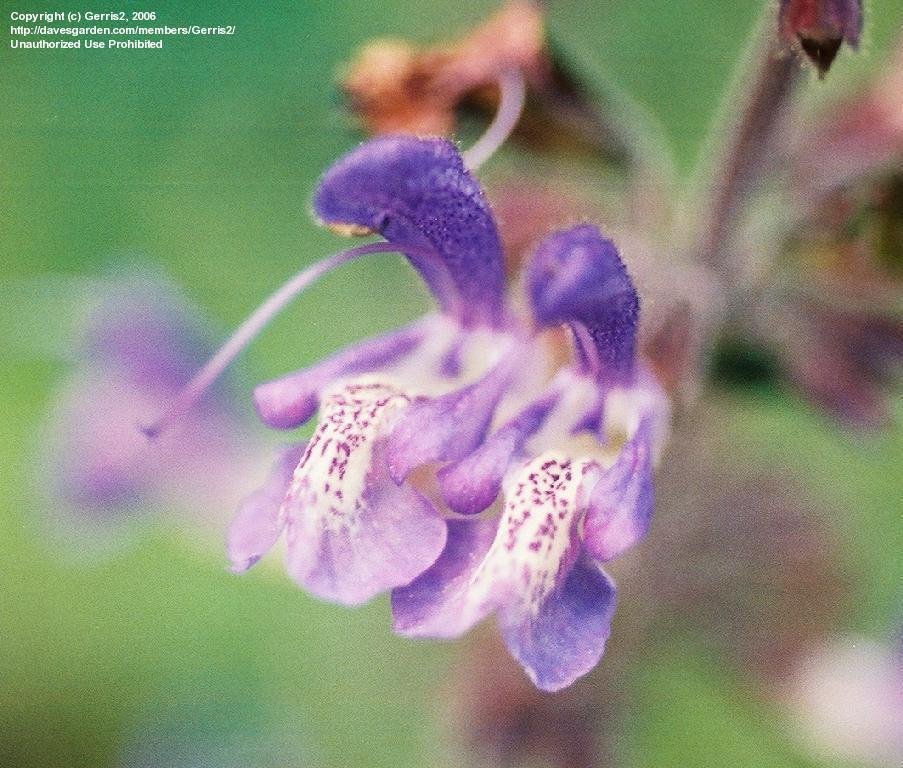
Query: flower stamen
[[512, 95], [258, 320]]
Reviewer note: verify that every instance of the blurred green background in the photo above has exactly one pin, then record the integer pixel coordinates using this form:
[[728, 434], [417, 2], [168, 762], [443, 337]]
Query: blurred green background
[[202, 157]]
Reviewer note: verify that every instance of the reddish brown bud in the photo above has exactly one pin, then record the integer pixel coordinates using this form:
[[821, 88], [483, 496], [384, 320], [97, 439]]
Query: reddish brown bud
[[820, 26]]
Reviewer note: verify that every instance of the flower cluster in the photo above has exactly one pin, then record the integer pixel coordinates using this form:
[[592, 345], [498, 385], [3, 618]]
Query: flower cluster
[[464, 463], [470, 464]]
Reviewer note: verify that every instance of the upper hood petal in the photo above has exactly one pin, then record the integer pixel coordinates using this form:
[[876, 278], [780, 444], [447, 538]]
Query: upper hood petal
[[417, 191]]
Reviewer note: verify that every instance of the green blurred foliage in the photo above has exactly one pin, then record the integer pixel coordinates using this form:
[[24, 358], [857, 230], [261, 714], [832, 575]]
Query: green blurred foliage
[[676, 59], [202, 158], [688, 712]]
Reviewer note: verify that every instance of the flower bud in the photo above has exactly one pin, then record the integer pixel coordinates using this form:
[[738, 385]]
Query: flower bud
[[820, 26]]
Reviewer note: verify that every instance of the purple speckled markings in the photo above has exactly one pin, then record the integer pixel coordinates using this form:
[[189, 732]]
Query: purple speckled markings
[[534, 574], [350, 531]]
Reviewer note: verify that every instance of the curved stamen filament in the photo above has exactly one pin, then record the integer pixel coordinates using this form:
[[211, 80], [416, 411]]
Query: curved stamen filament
[[258, 320], [512, 94]]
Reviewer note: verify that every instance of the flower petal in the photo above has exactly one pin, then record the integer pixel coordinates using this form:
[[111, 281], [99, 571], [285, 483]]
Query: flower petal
[[470, 485], [627, 408], [445, 428], [258, 522], [566, 637], [444, 601], [289, 401], [537, 541], [417, 191], [351, 532], [554, 606], [576, 276], [620, 505]]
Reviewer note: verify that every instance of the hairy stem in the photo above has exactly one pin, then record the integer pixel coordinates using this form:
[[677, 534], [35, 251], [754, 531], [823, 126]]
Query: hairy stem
[[746, 153]]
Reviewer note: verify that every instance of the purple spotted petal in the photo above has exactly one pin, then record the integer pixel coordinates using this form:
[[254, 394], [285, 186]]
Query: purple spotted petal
[[620, 505], [555, 619], [554, 606], [470, 485], [443, 601], [417, 191], [445, 428], [393, 535], [566, 637], [537, 541], [577, 277], [351, 532], [258, 522], [534, 546], [289, 401]]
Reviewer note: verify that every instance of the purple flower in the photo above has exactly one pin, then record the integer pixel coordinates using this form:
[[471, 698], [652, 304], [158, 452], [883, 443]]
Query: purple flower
[[467, 411], [99, 471]]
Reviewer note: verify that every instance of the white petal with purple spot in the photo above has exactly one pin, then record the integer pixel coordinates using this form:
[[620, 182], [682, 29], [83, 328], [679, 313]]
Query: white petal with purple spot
[[537, 543], [350, 531]]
